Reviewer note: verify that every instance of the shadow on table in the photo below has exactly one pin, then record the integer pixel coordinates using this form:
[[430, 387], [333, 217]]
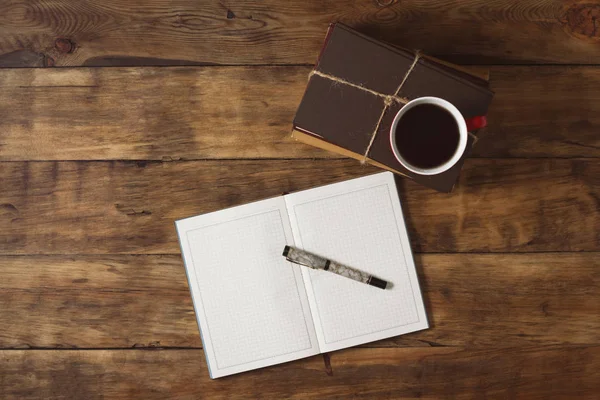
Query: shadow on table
[[417, 255]]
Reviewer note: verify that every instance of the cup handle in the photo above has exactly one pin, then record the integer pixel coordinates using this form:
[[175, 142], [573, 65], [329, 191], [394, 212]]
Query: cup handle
[[476, 123]]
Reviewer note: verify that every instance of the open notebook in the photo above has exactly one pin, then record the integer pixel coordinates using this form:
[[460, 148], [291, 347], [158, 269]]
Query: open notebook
[[256, 309]]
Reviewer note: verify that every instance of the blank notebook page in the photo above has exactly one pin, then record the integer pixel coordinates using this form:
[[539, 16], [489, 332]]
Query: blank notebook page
[[358, 223], [250, 302]]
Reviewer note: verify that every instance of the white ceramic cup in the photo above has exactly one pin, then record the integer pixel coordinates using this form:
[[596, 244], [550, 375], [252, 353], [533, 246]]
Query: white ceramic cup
[[462, 131]]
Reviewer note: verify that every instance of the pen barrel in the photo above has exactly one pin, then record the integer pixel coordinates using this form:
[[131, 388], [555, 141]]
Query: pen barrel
[[304, 258], [356, 275], [348, 272], [315, 262]]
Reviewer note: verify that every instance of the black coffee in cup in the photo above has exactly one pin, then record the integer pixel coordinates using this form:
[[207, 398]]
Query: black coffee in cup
[[427, 136]]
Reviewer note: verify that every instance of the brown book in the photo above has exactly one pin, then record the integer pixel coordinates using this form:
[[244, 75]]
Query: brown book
[[343, 116]]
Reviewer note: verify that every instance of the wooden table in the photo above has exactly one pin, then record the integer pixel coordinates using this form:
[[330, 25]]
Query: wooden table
[[131, 114]]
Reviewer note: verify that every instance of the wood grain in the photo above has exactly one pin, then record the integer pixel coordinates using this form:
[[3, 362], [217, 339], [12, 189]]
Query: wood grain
[[94, 300], [190, 32], [424, 373], [474, 301], [246, 112], [129, 207], [543, 112], [150, 113]]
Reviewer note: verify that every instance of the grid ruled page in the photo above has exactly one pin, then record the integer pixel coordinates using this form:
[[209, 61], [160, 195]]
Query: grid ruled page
[[250, 302], [358, 223]]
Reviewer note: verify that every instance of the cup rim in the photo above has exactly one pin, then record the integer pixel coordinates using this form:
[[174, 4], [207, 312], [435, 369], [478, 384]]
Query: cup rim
[[462, 131]]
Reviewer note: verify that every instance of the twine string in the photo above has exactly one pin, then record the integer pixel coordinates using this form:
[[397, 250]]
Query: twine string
[[388, 100]]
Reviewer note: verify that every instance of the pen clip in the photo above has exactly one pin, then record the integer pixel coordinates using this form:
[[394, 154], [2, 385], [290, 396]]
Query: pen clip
[[299, 263], [305, 259]]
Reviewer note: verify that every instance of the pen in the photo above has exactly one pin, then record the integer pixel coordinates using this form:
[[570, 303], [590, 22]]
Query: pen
[[313, 261]]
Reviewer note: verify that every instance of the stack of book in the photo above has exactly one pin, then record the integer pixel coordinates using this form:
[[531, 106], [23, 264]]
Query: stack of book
[[346, 107]]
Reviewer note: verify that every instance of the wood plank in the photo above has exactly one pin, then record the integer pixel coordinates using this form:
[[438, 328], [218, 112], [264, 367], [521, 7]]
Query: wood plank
[[543, 112], [473, 300], [129, 207], [426, 373], [150, 113], [246, 112], [92, 302], [176, 32]]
